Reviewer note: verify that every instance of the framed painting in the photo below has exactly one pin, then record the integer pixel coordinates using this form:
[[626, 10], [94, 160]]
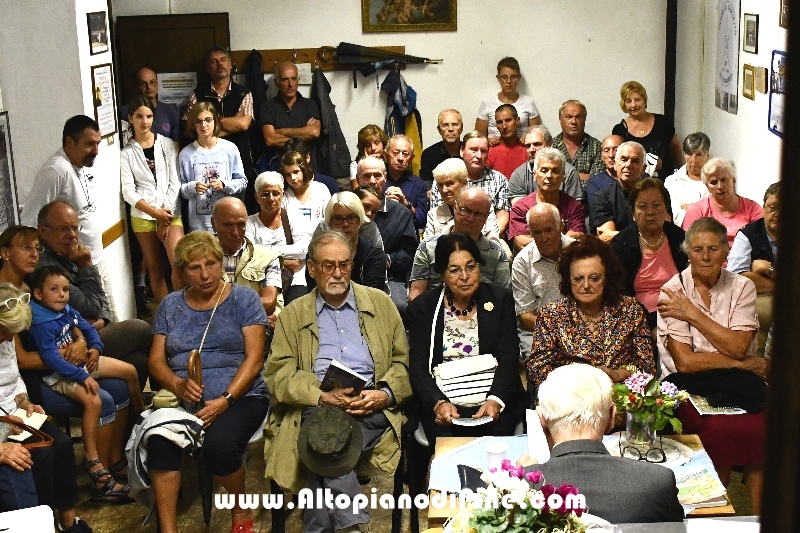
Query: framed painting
[[749, 82], [777, 92], [105, 112], [98, 32], [750, 34], [378, 16], [783, 17], [9, 202]]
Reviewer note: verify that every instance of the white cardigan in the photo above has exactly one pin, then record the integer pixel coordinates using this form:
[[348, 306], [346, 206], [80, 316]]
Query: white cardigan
[[138, 182], [11, 383]]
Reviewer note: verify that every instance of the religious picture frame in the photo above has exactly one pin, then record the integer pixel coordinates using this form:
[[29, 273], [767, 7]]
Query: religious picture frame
[[98, 32], [105, 112], [783, 17], [777, 92], [750, 34], [748, 82], [9, 201], [381, 16]]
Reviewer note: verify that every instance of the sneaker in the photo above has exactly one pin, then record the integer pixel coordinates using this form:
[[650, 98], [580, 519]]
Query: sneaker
[[78, 526]]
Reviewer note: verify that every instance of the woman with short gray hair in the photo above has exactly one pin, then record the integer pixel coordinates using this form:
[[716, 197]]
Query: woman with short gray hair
[[685, 186], [723, 204]]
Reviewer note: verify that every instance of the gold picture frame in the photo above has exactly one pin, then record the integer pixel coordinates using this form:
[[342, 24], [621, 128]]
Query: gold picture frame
[[385, 16], [748, 82], [783, 17]]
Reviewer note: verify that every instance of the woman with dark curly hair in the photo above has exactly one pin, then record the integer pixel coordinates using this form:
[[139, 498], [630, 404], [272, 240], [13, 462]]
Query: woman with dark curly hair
[[594, 323]]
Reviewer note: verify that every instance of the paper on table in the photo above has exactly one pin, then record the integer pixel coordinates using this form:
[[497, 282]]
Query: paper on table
[[709, 525], [471, 421], [35, 421], [537, 442]]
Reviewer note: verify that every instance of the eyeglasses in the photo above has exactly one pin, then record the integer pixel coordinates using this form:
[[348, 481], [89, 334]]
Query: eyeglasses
[[513, 77], [11, 303], [467, 212], [201, 121], [455, 271], [650, 455], [29, 249], [329, 267], [63, 230], [338, 220], [273, 194]]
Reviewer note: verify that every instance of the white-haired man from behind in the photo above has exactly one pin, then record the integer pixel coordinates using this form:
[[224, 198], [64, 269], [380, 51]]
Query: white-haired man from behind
[[575, 410]]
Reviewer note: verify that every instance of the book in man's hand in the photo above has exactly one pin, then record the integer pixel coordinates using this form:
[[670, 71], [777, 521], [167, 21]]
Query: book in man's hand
[[341, 376]]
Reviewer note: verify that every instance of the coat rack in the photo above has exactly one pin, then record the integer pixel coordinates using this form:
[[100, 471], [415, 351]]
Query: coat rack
[[324, 57]]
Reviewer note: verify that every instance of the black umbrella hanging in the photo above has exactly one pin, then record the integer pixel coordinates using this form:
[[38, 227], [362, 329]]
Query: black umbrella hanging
[[368, 60]]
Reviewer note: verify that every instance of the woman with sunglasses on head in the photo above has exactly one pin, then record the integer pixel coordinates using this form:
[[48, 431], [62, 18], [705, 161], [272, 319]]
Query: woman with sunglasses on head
[[211, 167], [508, 76], [150, 184], [19, 255], [54, 474]]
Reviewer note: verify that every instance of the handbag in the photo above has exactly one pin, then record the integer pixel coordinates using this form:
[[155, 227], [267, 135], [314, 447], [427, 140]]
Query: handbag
[[725, 387], [44, 441], [165, 398], [467, 381]]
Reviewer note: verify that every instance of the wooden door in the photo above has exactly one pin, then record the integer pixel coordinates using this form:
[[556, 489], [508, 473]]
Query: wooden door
[[166, 43]]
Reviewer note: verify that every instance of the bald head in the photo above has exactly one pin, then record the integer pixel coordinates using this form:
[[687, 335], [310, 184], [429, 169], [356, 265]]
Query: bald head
[[609, 151], [145, 83], [229, 220]]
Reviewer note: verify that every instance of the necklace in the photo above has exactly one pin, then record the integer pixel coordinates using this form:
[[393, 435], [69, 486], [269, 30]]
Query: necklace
[[652, 245], [456, 311], [592, 321]]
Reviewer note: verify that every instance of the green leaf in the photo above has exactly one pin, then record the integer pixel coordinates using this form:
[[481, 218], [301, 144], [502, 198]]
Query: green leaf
[[652, 387]]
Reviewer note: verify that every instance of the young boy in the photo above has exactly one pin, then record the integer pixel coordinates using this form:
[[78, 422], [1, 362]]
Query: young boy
[[54, 327]]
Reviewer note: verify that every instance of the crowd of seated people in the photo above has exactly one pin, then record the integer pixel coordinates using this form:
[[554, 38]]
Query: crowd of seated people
[[618, 266]]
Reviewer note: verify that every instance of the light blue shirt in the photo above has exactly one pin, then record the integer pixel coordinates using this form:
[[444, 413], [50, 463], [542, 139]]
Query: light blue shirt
[[740, 257], [340, 336]]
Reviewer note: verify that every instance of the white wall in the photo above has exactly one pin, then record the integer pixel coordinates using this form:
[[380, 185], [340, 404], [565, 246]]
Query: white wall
[[45, 75], [743, 138], [580, 49]]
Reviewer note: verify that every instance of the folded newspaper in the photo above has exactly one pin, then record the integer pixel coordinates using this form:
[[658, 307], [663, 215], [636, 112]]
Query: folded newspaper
[[698, 482]]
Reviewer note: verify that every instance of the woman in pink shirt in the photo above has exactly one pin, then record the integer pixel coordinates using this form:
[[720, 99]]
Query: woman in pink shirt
[[723, 204], [649, 250]]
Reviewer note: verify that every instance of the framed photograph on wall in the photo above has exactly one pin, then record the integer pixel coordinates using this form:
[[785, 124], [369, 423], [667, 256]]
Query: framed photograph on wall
[[98, 32], [105, 112], [9, 202], [777, 92], [750, 33], [378, 16], [783, 18], [749, 82]]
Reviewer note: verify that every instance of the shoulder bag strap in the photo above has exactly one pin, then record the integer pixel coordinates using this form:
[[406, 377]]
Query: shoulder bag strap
[[285, 224], [45, 440], [433, 330]]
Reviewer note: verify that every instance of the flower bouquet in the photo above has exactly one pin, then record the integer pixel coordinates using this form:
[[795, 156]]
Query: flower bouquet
[[512, 503], [650, 405]]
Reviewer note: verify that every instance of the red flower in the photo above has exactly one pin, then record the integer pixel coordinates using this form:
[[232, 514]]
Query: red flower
[[659, 401], [632, 397]]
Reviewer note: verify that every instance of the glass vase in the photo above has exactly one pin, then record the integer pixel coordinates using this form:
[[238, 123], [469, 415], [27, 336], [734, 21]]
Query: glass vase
[[638, 433]]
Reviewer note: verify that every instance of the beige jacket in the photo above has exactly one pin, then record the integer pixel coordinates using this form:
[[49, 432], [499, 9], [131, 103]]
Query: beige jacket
[[289, 374]]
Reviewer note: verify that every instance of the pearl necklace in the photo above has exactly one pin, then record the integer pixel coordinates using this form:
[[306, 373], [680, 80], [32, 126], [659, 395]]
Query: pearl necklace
[[456, 311], [652, 245]]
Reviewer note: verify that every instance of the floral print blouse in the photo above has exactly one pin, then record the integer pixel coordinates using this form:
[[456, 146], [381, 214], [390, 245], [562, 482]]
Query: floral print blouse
[[460, 336], [562, 337]]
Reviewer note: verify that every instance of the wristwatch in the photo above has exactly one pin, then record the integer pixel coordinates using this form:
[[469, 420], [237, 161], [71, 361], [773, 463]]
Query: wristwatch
[[228, 396]]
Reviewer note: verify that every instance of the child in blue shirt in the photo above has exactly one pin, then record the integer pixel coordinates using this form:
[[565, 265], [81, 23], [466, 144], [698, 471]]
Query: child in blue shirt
[[54, 327]]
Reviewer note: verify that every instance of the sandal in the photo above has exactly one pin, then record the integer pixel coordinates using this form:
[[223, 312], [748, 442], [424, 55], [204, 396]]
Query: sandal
[[106, 493], [117, 468]]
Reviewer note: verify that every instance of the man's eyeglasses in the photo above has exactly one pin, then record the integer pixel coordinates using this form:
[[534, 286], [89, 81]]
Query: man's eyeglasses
[[648, 454], [63, 230], [455, 271], [338, 220], [329, 267], [201, 121], [467, 212], [513, 77], [11, 303]]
